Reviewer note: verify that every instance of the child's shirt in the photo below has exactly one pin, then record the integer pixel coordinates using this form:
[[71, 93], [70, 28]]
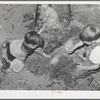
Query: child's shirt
[[16, 49], [94, 56], [49, 19]]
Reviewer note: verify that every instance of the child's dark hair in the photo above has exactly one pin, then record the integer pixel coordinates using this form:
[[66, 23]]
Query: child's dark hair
[[90, 33], [34, 38]]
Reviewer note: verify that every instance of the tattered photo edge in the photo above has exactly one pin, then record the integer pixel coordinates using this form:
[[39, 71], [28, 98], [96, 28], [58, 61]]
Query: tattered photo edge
[[49, 94]]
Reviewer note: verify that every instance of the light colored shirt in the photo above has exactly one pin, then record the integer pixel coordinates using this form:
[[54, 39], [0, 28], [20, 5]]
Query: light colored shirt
[[16, 49], [49, 19], [95, 55]]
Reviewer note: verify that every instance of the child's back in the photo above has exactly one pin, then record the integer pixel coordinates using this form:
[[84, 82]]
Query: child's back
[[19, 50], [16, 49]]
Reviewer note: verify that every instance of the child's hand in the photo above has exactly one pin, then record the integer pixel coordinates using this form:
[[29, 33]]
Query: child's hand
[[84, 59], [36, 29], [40, 31]]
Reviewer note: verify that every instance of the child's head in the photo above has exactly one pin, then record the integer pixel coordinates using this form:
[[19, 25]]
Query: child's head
[[44, 6], [90, 34], [32, 41]]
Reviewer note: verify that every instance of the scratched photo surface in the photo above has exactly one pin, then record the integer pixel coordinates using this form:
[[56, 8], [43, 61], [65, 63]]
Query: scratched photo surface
[[37, 47]]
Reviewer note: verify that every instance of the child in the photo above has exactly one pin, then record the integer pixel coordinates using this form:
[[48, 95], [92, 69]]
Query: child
[[48, 18], [90, 37], [19, 50]]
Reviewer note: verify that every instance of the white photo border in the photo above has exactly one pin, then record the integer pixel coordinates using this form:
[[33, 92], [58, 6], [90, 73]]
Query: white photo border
[[31, 94]]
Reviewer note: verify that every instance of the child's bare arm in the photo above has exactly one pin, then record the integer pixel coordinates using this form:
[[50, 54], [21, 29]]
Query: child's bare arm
[[71, 50], [41, 53], [92, 67]]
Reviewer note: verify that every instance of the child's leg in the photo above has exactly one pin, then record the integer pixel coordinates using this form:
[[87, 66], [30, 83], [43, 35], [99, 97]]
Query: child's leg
[[6, 55], [6, 64]]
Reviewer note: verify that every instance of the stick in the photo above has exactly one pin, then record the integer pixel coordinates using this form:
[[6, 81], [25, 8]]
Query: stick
[[69, 8], [37, 14]]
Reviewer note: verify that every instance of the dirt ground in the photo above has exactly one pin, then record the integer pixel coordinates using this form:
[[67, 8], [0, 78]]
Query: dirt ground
[[16, 20]]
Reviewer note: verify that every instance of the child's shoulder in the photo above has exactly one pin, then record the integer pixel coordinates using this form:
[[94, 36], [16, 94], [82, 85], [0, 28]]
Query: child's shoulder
[[96, 45], [95, 55], [51, 10], [96, 49]]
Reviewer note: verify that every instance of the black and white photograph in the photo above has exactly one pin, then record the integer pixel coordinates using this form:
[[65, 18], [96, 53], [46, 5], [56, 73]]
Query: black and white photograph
[[50, 47]]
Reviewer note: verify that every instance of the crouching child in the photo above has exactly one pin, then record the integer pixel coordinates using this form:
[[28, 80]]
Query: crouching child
[[90, 40], [19, 50]]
